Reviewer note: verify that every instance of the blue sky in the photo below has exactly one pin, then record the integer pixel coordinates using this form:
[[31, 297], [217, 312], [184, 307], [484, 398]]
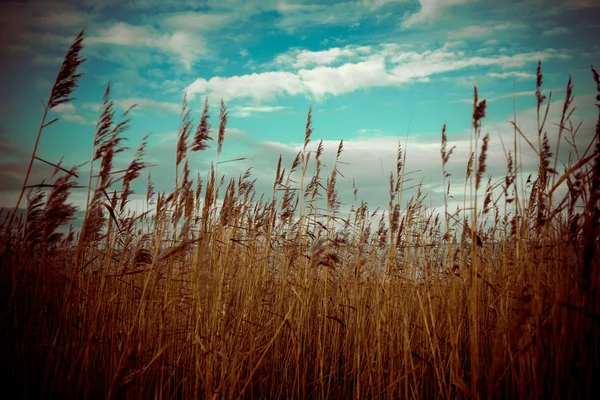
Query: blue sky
[[373, 70]]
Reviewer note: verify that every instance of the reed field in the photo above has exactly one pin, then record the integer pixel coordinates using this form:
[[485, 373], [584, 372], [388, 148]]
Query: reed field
[[214, 291]]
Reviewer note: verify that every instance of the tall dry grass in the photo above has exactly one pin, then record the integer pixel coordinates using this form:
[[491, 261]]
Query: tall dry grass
[[285, 298]]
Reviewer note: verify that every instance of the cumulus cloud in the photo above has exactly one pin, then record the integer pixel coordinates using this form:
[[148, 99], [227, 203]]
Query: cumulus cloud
[[68, 112], [323, 81], [187, 47], [64, 108], [429, 63], [305, 58], [387, 65], [260, 87], [302, 58]]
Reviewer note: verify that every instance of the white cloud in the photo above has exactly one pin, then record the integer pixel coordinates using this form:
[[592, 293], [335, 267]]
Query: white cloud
[[64, 108], [478, 31], [93, 106], [435, 62], [322, 81], [78, 119], [124, 35], [299, 58], [430, 10], [530, 93], [557, 31], [515, 74], [387, 66], [524, 93], [235, 132], [149, 104], [246, 111], [391, 49], [367, 131], [472, 31], [68, 112], [264, 86], [325, 57], [453, 44], [429, 56], [186, 46]]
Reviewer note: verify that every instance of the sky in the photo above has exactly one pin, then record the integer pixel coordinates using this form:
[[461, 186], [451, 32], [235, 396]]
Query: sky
[[376, 73]]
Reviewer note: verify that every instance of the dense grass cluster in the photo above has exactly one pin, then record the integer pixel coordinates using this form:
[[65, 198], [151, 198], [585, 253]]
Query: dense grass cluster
[[283, 297]]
